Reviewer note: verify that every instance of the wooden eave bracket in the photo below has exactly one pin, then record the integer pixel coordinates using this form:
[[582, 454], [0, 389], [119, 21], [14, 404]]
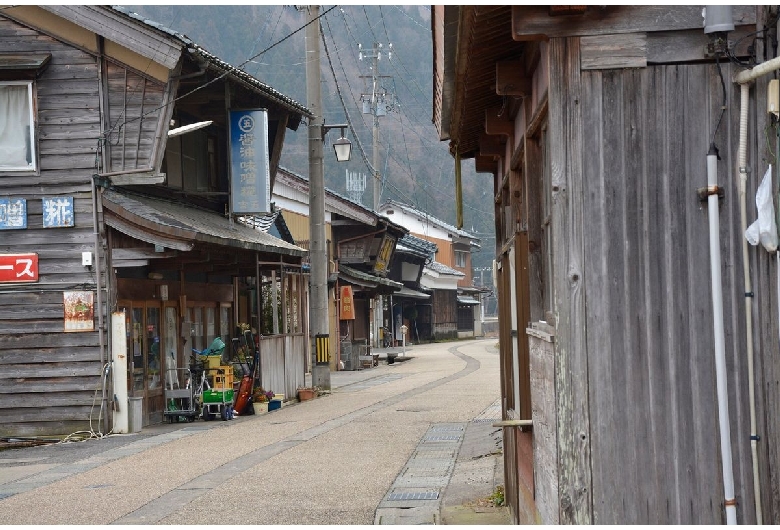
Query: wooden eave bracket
[[485, 164], [511, 79], [490, 145], [495, 124]]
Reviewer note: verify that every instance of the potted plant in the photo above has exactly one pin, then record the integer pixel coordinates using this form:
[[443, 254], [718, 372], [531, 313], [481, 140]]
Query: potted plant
[[305, 393], [260, 400]]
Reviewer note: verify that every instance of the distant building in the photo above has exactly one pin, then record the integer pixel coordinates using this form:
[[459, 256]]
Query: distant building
[[454, 310]]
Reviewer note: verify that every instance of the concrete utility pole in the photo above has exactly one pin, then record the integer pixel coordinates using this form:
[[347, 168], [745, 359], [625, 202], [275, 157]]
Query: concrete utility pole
[[318, 252], [377, 103]]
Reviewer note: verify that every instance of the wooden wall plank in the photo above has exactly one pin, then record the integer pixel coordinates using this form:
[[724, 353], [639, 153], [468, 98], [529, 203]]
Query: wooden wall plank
[[534, 22], [614, 51], [571, 351]]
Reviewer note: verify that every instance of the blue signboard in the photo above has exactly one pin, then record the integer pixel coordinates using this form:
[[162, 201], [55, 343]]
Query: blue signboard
[[57, 212], [13, 214], [250, 177]]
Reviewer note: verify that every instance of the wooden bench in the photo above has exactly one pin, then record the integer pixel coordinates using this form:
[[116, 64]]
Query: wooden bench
[[366, 361]]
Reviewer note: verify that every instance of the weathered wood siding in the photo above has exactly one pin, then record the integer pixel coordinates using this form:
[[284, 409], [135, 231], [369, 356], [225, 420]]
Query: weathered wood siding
[[134, 110], [445, 314], [637, 407], [48, 378], [282, 359]]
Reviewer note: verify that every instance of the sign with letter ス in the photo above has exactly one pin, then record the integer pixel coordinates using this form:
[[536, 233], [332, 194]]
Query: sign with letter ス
[[18, 268]]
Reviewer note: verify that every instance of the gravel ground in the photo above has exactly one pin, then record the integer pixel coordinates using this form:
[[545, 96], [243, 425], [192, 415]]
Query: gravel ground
[[326, 461]]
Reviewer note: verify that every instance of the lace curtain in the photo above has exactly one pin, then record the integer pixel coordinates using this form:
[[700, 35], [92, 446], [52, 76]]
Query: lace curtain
[[15, 150]]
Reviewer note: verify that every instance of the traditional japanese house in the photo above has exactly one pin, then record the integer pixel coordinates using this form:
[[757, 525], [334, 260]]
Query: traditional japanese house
[[361, 249], [116, 196], [405, 307], [638, 328], [449, 275]]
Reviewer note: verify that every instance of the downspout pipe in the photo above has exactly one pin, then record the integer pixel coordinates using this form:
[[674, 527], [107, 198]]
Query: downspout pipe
[[720, 341], [742, 169]]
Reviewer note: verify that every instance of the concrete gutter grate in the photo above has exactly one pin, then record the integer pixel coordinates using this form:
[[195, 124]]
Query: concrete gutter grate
[[441, 438], [417, 496], [414, 497]]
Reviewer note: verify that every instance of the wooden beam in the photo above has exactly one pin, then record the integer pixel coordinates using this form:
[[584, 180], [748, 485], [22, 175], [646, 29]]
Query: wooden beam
[[535, 22], [140, 253], [124, 263], [628, 50], [142, 179], [490, 146], [495, 124], [485, 164], [511, 79]]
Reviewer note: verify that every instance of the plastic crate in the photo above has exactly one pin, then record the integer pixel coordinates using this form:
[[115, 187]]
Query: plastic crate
[[213, 361], [218, 396]]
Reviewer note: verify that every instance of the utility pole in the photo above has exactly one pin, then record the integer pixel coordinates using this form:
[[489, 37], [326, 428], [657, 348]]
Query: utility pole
[[318, 252], [376, 102]]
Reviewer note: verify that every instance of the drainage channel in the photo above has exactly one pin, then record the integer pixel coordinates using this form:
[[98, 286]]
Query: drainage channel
[[415, 495]]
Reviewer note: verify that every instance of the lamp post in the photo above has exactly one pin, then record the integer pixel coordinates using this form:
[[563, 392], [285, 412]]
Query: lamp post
[[318, 251]]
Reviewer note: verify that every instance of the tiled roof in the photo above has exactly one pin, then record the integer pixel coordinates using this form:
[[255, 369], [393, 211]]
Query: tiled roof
[[420, 245], [219, 63], [430, 218], [443, 269]]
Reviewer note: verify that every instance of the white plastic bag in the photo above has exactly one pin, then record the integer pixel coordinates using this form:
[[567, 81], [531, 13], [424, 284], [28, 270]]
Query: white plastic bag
[[764, 229]]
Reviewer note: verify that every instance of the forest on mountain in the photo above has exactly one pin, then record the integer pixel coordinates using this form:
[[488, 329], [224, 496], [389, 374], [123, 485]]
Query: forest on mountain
[[415, 166]]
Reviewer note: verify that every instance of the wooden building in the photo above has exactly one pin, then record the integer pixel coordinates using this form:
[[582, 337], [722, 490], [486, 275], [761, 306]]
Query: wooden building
[[449, 275], [361, 249], [637, 387], [109, 203]]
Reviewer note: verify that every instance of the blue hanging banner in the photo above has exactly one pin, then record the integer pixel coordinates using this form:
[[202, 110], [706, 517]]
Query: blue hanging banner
[[250, 177]]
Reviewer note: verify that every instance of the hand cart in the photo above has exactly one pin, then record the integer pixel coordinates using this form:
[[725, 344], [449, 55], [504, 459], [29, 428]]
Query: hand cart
[[217, 400], [179, 398]]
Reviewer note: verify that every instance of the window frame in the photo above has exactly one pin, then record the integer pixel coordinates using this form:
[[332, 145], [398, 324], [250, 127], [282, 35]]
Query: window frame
[[33, 168], [461, 255]]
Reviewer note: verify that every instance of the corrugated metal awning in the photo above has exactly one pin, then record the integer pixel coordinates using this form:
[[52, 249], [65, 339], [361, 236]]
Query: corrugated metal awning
[[179, 226]]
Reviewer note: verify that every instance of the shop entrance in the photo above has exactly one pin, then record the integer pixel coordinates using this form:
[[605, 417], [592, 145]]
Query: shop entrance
[[152, 344]]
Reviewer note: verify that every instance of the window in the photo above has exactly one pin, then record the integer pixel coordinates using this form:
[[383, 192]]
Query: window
[[17, 126], [460, 259]]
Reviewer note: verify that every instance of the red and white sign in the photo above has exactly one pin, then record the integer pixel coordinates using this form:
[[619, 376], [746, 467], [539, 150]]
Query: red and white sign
[[18, 268]]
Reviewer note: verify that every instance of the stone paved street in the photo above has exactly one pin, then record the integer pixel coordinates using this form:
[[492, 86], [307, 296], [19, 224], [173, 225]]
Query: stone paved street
[[382, 448]]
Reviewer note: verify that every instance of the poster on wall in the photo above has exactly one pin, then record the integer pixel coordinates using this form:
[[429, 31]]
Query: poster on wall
[[79, 310]]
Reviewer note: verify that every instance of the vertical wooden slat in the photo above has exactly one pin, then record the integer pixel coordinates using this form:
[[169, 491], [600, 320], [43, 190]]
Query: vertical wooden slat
[[571, 353]]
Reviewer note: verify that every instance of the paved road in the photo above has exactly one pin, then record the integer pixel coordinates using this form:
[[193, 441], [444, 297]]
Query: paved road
[[381, 448]]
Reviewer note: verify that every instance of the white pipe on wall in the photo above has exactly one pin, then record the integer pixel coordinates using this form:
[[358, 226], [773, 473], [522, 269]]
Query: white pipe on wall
[[720, 341], [742, 169]]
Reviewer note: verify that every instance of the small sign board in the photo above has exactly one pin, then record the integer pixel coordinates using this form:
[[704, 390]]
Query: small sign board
[[13, 213], [16, 268], [79, 310], [57, 212], [250, 174], [347, 304], [385, 254]]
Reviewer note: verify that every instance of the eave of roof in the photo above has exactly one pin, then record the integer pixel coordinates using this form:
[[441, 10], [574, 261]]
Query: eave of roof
[[484, 36], [236, 74], [189, 225], [433, 220]]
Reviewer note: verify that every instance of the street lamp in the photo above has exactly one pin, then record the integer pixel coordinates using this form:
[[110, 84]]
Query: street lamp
[[342, 146]]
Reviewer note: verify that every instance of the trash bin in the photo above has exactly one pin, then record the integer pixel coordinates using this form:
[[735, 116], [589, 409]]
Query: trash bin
[[135, 414]]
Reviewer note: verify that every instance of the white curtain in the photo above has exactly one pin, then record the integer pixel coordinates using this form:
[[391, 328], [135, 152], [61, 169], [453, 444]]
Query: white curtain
[[14, 127]]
